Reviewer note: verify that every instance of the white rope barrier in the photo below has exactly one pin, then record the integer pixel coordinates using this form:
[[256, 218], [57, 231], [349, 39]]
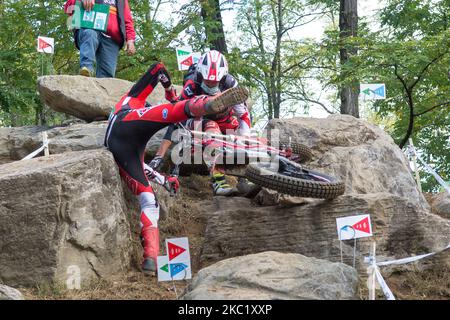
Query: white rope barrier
[[387, 292], [375, 273], [44, 148], [34, 153], [411, 150], [410, 259]]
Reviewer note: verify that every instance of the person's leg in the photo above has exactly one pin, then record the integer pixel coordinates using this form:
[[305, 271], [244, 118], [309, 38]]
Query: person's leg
[[230, 125], [149, 217], [127, 144], [88, 42], [107, 54], [217, 171]]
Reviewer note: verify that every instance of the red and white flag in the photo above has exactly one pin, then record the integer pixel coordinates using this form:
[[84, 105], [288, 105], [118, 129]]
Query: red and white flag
[[45, 44]]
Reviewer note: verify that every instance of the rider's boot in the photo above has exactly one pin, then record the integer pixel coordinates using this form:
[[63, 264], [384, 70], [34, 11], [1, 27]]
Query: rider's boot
[[204, 105], [150, 243], [220, 185]]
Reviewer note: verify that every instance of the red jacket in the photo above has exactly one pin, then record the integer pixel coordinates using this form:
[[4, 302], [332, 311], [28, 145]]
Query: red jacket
[[114, 27]]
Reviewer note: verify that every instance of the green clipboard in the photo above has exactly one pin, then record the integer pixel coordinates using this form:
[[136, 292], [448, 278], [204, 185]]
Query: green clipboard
[[96, 19]]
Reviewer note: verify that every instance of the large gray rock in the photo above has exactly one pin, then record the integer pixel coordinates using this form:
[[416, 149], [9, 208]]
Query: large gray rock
[[440, 204], [274, 275], [359, 153], [60, 214], [237, 227], [89, 99], [378, 182], [18, 142], [8, 293]]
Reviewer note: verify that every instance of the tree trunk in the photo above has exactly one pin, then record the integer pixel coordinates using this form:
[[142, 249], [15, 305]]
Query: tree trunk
[[348, 26], [410, 121], [277, 105], [212, 19]]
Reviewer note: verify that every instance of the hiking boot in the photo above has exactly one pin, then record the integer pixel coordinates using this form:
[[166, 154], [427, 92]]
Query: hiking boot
[[220, 185], [148, 267], [84, 71], [226, 99]]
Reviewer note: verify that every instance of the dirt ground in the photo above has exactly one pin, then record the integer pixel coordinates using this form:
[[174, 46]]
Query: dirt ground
[[431, 283]]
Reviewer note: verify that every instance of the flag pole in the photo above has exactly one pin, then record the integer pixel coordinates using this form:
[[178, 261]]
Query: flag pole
[[42, 66], [372, 276]]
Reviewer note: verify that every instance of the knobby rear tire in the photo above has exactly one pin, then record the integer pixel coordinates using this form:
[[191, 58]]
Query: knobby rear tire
[[261, 175]]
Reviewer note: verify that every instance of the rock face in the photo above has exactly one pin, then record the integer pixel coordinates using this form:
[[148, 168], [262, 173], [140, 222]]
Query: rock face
[[274, 275], [62, 213], [16, 143], [237, 227], [89, 99], [361, 154], [21, 141], [378, 182], [8, 293], [440, 204]]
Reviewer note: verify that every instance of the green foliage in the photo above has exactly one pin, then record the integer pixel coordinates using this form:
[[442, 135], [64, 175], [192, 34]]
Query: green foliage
[[418, 52], [21, 21], [156, 39], [20, 64], [412, 58], [416, 18], [269, 58]]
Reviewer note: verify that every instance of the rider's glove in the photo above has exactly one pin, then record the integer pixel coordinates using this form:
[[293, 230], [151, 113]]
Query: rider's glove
[[171, 94], [164, 78], [156, 163], [172, 184]]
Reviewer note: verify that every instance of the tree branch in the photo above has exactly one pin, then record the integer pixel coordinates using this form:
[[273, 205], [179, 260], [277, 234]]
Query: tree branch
[[421, 74], [432, 108], [295, 65]]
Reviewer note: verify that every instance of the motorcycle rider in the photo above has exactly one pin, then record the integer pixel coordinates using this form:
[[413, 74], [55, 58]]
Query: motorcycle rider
[[210, 77], [131, 125]]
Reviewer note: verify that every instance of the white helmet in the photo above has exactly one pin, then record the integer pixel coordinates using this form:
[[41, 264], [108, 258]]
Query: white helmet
[[212, 66]]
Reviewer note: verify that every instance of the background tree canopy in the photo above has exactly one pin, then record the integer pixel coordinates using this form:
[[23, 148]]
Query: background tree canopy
[[408, 50]]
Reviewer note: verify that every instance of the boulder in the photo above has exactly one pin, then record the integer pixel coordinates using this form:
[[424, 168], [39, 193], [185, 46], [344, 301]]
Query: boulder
[[89, 99], [273, 276], [359, 153], [62, 215], [440, 204], [269, 197], [378, 182], [8, 293], [237, 227], [18, 142]]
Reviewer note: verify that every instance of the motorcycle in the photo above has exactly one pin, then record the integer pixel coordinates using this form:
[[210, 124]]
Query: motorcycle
[[274, 165]]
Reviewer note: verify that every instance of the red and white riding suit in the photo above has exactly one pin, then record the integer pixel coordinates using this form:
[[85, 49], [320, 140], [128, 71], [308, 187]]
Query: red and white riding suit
[[132, 123]]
